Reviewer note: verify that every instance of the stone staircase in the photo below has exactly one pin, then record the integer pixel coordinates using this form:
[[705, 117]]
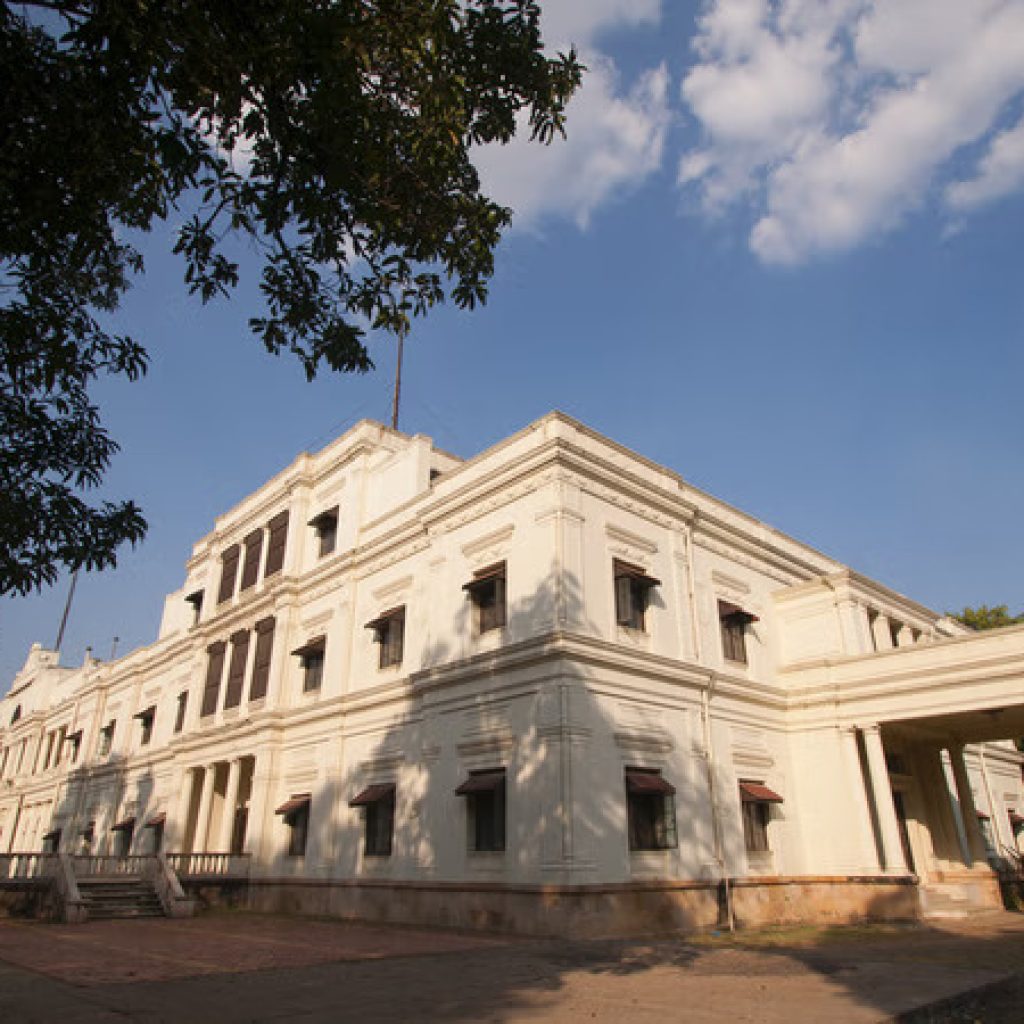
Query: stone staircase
[[123, 896]]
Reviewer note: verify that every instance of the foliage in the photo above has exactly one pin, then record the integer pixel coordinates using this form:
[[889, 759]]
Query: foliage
[[984, 617], [333, 136]]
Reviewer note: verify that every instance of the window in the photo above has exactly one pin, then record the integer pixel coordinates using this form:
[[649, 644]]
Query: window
[[756, 800], [278, 527], [487, 592], [295, 811], [261, 662], [895, 628], [236, 669], [147, 718], [51, 841], [214, 670], [123, 831], [106, 738], [379, 807], [632, 593], [389, 632], [155, 828], [253, 549], [650, 810], [485, 809], [195, 599], [16, 714], [312, 656], [179, 717], [75, 742], [734, 621], [326, 526], [228, 572]]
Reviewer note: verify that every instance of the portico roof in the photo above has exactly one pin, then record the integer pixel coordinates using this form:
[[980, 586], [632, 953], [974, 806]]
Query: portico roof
[[969, 688]]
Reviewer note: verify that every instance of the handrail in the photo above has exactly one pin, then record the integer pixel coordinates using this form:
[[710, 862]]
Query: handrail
[[65, 886], [168, 889], [91, 865], [207, 864], [26, 866]]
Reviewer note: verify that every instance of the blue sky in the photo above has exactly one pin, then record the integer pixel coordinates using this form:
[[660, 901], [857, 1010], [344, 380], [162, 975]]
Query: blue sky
[[779, 253]]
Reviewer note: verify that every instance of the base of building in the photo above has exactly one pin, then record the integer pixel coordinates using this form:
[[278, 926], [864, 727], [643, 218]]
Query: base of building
[[592, 911]]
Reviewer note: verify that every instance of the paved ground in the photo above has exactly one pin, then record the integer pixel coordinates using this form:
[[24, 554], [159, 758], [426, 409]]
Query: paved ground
[[235, 968]]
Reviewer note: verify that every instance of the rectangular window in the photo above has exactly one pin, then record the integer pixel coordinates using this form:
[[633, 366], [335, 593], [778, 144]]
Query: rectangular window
[[295, 811], [261, 661], [632, 594], [179, 717], [733, 621], [311, 655], [50, 737], [278, 527], [236, 668], [106, 738], [146, 719], [650, 810], [51, 841], [124, 832], [756, 800], [378, 802], [487, 593], [228, 572], [389, 632], [485, 809], [75, 743], [214, 670], [195, 599], [326, 526], [253, 549]]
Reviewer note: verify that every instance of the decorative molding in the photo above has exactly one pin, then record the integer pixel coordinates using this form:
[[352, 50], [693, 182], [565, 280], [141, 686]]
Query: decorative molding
[[632, 540], [392, 589], [491, 545], [499, 743], [727, 582], [650, 741]]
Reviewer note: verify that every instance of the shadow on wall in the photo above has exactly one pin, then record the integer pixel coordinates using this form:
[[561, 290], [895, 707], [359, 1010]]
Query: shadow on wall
[[552, 725]]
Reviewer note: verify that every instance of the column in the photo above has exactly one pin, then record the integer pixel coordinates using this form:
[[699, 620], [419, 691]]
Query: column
[[230, 802], [885, 812], [867, 857], [968, 811], [177, 820], [200, 843]]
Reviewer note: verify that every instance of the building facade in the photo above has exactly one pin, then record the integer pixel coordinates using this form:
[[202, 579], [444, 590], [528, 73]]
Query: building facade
[[550, 687]]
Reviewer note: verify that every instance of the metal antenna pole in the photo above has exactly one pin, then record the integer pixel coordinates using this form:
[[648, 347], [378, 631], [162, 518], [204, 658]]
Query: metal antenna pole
[[398, 380], [67, 609]]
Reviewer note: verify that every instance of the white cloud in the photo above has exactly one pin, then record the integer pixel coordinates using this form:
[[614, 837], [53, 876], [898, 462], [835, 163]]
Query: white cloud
[[833, 119], [567, 22], [1000, 172], [614, 142], [615, 132]]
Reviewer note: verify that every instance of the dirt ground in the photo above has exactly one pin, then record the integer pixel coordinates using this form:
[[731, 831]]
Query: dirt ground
[[243, 967]]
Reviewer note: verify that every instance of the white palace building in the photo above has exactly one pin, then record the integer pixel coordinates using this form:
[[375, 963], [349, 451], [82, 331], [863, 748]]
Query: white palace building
[[550, 688]]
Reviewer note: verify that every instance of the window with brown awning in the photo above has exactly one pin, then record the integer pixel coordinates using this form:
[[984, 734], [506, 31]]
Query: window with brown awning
[[487, 592], [294, 803], [127, 825], [756, 792], [633, 588], [372, 794], [650, 810]]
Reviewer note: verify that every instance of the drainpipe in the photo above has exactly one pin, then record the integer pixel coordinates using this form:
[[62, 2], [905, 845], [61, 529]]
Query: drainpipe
[[705, 714], [716, 824]]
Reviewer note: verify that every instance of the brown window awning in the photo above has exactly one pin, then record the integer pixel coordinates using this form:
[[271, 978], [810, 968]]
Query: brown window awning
[[483, 577], [756, 793], [727, 610], [648, 783], [149, 712], [982, 816], [156, 821], [633, 572], [1016, 820], [74, 737], [325, 518], [482, 782], [294, 803], [123, 826], [315, 645], [373, 794], [385, 617], [51, 836], [87, 829]]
